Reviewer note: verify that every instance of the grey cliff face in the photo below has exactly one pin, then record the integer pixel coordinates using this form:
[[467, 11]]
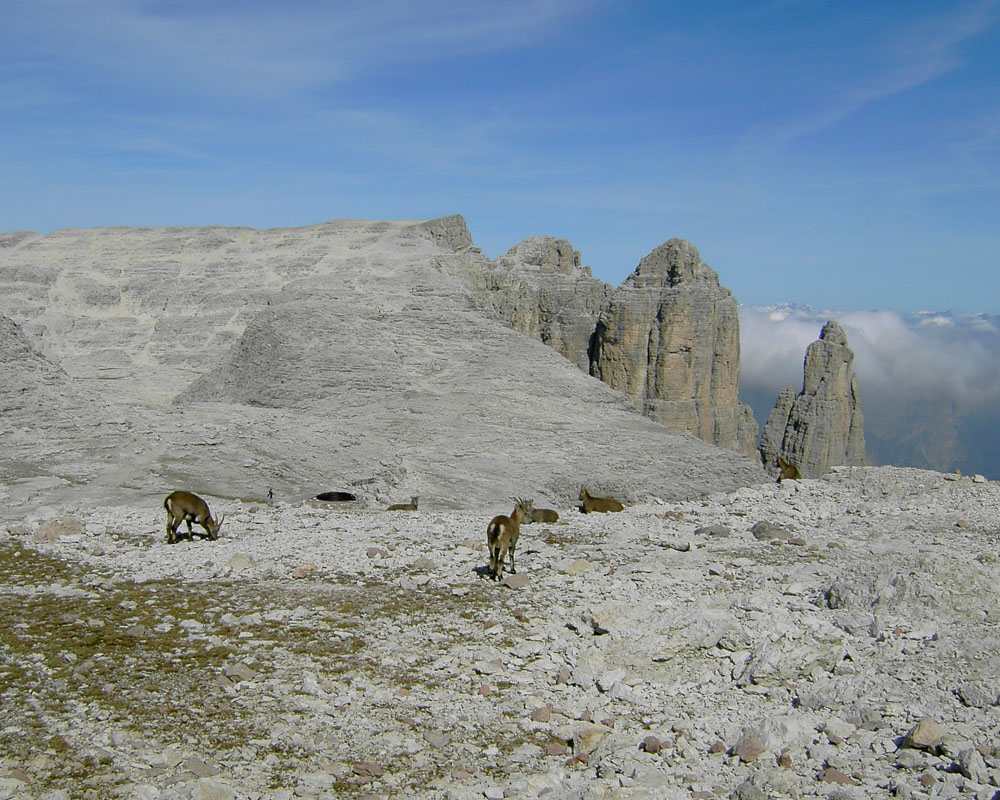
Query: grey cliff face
[[541, 290], [668, 337], [670, 340], [823, 425], [347, 355]]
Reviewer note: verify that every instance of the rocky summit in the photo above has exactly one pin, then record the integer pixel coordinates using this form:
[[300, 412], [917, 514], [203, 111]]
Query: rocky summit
[[822, 425]]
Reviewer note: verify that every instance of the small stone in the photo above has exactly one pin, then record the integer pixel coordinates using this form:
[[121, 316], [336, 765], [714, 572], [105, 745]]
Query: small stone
[[834, 775], [718, 531], [304, 570], [239, 672], [651, 744], [367, 769], [376, 552], [564, 675], [555, 749], [543, 714], [927, 780], [748, 748], [575, 567], [485, 690], [977, 695], [240, 562], [514, 580], [718, 746], [437, 739], [423, 564], [768, 531], [587, 737], [207, 789], [199, 767], [925, 735], [972, 766]]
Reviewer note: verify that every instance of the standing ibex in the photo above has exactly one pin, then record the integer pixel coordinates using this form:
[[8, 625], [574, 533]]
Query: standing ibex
[[501, 537], [411, 506], [598, 503], [187, 507], [789, 472]]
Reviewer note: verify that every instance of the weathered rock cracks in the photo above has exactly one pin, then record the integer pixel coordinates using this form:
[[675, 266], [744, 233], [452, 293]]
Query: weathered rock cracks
[[821, 426], [845, 648]]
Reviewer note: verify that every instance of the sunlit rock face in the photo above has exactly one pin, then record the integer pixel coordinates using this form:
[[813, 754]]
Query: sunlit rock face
[[353, 354], [668, 337], [822, 426]]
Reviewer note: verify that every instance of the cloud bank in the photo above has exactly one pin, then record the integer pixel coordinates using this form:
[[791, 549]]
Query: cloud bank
[[930, 382]]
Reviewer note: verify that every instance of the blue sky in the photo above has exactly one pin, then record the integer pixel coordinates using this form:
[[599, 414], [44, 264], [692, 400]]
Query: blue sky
[[840, 154]]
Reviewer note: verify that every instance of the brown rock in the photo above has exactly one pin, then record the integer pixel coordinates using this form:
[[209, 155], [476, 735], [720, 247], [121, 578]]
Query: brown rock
[[651, 744], [748, 748], [925, 735], [832, 775]]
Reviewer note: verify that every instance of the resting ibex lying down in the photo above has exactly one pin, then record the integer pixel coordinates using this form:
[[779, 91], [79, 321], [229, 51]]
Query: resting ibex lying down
[[598, 503], [501, 537], [541, 515], [411, 506], [187, 507]]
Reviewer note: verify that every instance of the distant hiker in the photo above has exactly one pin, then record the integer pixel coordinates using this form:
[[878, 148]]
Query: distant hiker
[[270, 496]]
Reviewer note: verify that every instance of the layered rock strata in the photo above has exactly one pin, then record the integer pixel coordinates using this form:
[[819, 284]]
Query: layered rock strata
[[350, 355], [822, 426], [668, 337]]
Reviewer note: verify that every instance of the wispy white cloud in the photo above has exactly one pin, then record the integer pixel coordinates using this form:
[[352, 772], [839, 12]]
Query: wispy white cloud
[[956, 356], [267, 49], [930, 382], [908, 59]]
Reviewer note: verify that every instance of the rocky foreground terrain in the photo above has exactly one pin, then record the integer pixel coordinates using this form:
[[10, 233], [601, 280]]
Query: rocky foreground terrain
[[821, 638]]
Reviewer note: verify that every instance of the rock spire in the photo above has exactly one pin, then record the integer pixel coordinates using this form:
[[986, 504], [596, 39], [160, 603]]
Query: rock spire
[[822, 426]]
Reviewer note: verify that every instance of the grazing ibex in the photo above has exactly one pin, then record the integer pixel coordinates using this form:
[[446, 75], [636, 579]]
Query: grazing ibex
[[411, 506], [789, 472], [187, 507], [501, 537], [541, 515], [598, 503]]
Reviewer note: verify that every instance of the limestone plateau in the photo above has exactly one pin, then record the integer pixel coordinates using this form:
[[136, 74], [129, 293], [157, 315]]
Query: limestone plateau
[[376, 358]]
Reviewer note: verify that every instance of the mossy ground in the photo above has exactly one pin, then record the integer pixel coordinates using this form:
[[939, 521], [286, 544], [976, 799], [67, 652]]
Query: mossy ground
[[85, 652]]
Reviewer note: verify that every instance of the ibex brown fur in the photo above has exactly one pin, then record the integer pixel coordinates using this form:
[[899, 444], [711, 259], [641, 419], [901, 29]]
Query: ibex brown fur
[[501, 537], [411, 506], [601, 504], [188, 507], [789, 472], [541, 515]]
